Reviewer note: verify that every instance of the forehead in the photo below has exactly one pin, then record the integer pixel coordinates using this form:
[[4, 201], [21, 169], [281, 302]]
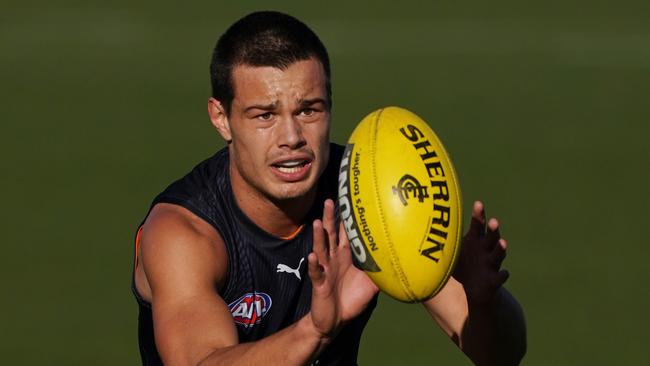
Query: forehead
[[267, 84]]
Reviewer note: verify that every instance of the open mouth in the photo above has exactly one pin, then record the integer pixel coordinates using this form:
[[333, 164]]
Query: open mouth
[[291, 166], [292, 170]]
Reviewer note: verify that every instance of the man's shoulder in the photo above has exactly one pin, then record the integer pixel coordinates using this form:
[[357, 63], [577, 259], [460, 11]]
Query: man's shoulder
[[174, 244], [201, 191], [170, 219]]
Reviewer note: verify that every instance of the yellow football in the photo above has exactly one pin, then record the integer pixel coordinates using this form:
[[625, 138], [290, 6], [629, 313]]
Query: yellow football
[[400, 204]]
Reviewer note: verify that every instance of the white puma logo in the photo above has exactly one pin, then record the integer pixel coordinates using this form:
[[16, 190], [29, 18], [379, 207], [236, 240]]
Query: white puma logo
[[287, 269]]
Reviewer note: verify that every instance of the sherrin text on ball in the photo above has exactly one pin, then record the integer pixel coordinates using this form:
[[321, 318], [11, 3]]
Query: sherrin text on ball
[[400, 204]]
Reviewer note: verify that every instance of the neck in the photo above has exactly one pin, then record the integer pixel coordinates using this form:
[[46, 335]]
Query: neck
[[281, 218]]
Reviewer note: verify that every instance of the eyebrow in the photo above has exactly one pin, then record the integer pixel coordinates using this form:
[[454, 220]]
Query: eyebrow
[[272, 106], [264, 107], [308, 102]]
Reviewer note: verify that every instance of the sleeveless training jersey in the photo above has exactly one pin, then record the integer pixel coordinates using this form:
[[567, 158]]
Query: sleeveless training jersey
[[267, 285]]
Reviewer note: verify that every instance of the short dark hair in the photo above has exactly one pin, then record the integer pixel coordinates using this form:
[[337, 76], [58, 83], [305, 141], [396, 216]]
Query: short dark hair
[[265, 38]]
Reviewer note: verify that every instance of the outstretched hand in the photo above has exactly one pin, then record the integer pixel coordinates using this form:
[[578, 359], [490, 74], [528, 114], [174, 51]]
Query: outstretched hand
[[479, 263], [340, 290]]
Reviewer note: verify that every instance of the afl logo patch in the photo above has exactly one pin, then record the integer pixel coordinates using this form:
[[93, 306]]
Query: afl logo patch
[[249, 309]]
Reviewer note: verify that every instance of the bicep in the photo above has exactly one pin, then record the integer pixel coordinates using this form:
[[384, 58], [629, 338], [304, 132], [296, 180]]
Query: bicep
[[449, 309], [183, 266]]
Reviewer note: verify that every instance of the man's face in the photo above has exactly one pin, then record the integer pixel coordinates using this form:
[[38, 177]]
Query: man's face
[[279, 126]]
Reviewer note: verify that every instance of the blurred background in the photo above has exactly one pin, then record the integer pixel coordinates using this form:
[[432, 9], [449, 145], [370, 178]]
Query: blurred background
[[542, 104]]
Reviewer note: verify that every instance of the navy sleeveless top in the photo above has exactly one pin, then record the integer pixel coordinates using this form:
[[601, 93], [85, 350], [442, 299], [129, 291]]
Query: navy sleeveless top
[[267, 285]]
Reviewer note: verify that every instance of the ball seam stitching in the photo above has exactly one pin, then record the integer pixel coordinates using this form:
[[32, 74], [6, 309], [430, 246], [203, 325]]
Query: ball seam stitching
[[393, 256]]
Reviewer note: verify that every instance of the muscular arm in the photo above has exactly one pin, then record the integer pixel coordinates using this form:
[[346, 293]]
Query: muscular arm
[[184, 261], [473, 308]]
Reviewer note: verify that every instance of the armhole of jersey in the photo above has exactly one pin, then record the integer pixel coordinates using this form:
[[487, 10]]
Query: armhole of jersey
[[137, 248], [136, 261]]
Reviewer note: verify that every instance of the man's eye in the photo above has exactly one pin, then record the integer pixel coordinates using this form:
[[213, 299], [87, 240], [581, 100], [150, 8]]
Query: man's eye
[[307, 112], [265, 116]]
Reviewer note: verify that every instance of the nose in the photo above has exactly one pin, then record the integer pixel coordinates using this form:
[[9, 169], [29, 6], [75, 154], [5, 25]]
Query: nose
[[290, 133]]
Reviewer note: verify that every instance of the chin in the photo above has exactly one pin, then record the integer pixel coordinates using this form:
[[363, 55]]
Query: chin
[[294, 191]]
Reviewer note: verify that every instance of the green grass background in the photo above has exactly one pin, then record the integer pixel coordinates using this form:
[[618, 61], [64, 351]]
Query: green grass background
[[542, 104]]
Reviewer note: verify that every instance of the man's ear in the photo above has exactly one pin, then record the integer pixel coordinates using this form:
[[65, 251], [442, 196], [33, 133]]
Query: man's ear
[[219, 119]]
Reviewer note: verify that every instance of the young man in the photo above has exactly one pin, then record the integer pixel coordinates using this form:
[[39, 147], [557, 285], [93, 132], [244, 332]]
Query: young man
[[242, 262]]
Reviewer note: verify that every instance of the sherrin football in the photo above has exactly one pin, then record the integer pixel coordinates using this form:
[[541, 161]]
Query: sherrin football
[[400, 204]]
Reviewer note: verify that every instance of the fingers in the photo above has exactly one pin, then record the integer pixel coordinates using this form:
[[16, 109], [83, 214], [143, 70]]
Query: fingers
[[498, 254], [320, 247], [344, 253], [493, 234], [329, 223], [477, 225], [316, 271], [343, 237]]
